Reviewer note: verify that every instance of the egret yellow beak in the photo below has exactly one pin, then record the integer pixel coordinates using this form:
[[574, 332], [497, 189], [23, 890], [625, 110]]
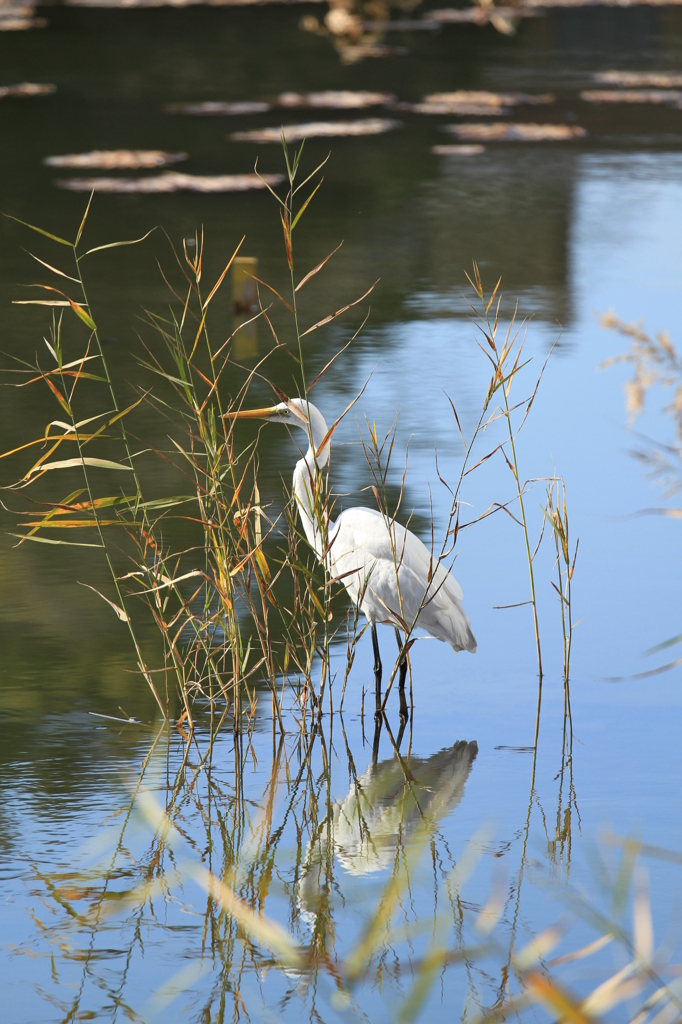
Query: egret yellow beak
[[267, 413], [284, 411]]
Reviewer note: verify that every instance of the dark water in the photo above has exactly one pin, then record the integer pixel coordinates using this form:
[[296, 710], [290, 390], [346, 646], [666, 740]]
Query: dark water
[[573, 229]]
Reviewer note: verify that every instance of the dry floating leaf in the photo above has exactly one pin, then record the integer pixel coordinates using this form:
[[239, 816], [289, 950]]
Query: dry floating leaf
[[456, 109], [667, 97], [172, 181], [116, 159], [478, 103], [219, 108], [639, 79], [19, 18], [500, 132], [337, 99], [26, 88], [456, 150], [318, 129], [353, 54]]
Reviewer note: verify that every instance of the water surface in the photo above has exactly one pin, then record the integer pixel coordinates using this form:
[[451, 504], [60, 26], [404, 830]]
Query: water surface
[[573, 229]]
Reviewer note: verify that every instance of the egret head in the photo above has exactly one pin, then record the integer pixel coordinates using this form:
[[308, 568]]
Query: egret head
[[294, 412]]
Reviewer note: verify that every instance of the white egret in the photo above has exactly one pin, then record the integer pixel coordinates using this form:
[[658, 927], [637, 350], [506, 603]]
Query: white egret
[[388, 572], [385, 808]]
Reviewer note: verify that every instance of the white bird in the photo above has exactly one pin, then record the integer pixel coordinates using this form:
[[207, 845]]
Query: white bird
[[393, 804], [388, 572]]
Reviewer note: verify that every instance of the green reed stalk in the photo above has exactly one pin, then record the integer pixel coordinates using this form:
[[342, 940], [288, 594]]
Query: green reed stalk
[[499, 359], [232, 557], [558, 519], [212, 486], [80, 310], [501, 378], [289, 220], [100, 531], [131, 463], [491, 336]]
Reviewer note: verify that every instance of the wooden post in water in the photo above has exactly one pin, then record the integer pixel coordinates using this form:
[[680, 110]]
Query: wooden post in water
[[244, 307]]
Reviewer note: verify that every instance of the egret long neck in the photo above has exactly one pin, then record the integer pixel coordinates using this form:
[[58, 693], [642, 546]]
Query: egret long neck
[[304, 477]]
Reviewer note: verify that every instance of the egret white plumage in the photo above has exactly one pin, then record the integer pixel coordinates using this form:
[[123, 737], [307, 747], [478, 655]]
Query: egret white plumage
[[388, 572], [384, 808]]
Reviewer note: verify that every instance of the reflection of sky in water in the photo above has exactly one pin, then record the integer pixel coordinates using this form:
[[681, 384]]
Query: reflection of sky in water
[[624, 254]]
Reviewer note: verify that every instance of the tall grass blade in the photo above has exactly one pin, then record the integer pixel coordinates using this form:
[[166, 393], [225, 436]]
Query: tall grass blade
[[41, 231]]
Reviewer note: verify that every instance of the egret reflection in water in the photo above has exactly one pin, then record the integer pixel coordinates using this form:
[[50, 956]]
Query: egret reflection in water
[[393, 804]]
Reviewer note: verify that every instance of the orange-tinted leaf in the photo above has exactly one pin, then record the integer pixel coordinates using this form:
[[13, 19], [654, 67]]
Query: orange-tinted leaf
[[58, 395], [317, 269], [263, 565], [85, 317]]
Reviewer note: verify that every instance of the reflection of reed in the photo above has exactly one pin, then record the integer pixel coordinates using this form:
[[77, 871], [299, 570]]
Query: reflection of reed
[[208, 834], [392, 803]]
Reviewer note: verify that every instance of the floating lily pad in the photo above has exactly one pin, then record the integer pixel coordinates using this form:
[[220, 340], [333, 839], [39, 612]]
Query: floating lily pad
[[456, 109], [173, 181], [455, 150], [640, 79], [664, 97], [489, 99], [218, 108], [318, 129], [116, 159], [477, 103], [500, 132], [27, 88], [353, 53], [19, 18], [340, 99]]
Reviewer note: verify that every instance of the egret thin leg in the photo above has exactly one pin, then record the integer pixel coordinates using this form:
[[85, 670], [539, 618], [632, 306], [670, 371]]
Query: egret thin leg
[[377, 666], [378, 722], [401, 680], [403, 663]]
